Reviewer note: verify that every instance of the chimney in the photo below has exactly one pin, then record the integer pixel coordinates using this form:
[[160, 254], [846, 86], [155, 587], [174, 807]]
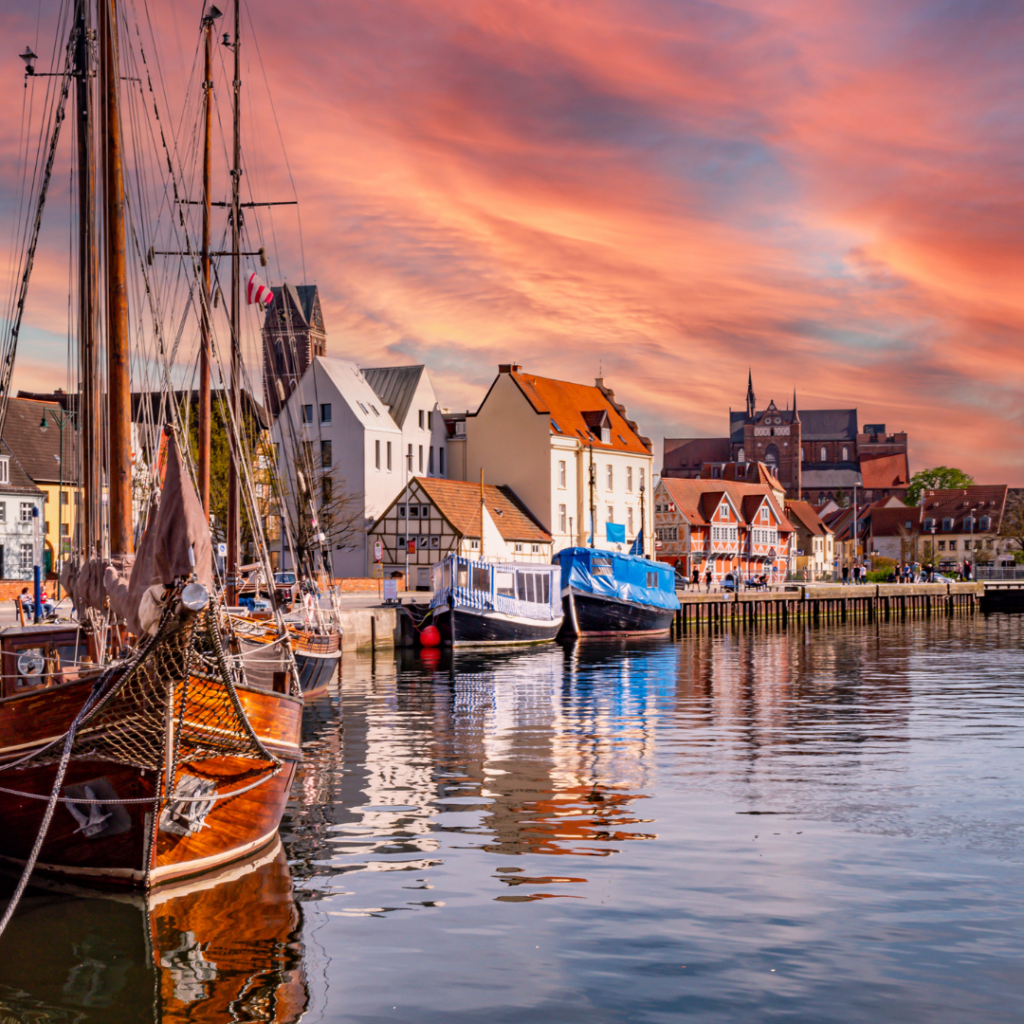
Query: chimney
[[509, 367]]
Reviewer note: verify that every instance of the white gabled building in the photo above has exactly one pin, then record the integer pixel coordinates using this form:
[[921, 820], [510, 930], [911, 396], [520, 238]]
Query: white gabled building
[[366, 433], [541, 436]]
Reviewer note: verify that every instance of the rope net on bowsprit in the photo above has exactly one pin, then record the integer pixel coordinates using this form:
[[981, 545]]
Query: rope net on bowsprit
[[175, 704]]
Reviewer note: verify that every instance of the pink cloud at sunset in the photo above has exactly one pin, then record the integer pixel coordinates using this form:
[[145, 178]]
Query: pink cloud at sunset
[[673, 191]]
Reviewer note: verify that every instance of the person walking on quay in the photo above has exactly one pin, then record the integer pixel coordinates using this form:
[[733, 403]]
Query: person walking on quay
[[967, 571], [707, 579], [863, 574], [846, 574], [696, 579]]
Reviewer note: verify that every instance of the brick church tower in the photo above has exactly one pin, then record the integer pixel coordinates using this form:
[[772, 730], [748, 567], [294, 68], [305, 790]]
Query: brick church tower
[[772, 437], [293, 336]]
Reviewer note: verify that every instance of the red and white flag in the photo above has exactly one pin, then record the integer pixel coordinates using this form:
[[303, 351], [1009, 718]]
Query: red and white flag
[[257, 291]]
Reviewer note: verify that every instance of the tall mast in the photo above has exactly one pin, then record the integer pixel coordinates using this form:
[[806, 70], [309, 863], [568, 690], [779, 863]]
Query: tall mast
[[204, 305], [236, 173], [118, 380], [88, 412]]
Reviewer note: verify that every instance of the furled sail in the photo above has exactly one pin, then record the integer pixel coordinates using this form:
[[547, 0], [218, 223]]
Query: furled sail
[[176, 543]]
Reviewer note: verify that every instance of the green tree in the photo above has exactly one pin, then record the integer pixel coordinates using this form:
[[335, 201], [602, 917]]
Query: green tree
[[939, 478], [1011, 527]]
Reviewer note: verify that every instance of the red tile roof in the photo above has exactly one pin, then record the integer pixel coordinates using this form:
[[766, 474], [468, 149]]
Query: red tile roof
[[892, 522], [570, 405], [459, 502], [956, 503], [803, 512], [688, 496], [882, 471]]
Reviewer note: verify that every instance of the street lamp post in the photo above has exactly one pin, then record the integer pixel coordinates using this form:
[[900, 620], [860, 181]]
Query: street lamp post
[[61, 417], [643, 524]]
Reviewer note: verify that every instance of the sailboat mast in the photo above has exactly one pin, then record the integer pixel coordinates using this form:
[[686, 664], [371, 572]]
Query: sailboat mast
[[118, 380], [88, 412], [204, 305], [236, 173]]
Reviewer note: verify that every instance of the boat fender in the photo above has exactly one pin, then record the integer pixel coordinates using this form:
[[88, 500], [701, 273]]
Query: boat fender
[[151, 607]]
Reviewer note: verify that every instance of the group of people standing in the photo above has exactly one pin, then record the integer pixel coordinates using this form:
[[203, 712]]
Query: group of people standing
[[857, 573]]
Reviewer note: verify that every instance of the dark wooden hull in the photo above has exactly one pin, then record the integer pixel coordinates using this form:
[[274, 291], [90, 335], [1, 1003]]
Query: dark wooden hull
[[592, 615], [465, 627], [131, 851]]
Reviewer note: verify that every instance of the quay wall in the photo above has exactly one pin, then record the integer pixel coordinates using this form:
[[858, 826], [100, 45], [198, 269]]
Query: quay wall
[[817, 604], [370, 628]]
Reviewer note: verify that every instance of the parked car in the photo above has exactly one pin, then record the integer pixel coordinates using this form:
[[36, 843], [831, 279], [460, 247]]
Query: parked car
[[939, 578]]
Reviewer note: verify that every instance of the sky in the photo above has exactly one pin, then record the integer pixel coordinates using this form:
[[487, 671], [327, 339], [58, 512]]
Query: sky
[[664, 192]]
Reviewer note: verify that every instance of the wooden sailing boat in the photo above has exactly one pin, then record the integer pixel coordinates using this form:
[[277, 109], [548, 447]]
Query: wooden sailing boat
[[155, 757]]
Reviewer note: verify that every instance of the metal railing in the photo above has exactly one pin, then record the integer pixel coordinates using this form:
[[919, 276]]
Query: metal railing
[[999, 572]]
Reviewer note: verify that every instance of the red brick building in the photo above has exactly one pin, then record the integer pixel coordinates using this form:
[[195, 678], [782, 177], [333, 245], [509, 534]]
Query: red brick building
[[293, 336], [817, 454]]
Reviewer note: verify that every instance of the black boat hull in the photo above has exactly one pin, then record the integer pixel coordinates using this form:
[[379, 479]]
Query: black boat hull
[[605, 616], [466, 627]]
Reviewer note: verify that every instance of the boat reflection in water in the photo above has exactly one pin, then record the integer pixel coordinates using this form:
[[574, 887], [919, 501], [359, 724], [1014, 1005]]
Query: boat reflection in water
[[215, 949]]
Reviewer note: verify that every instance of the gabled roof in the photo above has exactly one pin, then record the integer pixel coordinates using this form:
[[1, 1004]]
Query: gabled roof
[[37, 451], [709, 502], [567, 406], [752, 504], [828, 424], [956, 503], [19, 481], [459, 502], [395, 386], [354, 389], [688, 496], [303, 302], [803, 513], [892, 522], [693, 452], [882, 471]]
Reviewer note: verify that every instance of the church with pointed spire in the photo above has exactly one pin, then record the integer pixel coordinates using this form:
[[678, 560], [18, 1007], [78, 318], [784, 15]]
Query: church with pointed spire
[[816, 454]]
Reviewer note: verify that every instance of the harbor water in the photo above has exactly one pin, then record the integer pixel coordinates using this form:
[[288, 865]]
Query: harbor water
[[797, 825]]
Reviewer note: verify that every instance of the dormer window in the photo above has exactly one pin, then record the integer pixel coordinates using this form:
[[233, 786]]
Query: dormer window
[[947, 523], [969, 522], [929, 524], [986, 523], [555, 427], [5, 470]]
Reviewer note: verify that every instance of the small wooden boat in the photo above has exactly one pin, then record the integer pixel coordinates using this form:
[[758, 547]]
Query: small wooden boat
[[608, 593], [477, 603], [317, 652]]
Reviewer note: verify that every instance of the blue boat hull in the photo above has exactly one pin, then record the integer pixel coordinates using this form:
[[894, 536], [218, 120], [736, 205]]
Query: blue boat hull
[[594, 615]]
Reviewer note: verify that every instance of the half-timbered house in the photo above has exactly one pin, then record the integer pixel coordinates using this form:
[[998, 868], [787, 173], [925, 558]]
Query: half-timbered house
[[432, 518]]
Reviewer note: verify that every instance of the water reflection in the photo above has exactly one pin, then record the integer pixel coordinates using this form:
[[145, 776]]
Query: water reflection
[[804, 819], [214, 950]]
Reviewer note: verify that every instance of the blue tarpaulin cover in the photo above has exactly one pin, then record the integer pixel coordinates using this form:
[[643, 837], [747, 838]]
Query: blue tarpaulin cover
[[615, 574], [615, 533]]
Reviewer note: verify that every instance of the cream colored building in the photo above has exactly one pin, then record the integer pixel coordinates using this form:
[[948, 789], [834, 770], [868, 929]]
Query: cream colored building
[[543, 438]]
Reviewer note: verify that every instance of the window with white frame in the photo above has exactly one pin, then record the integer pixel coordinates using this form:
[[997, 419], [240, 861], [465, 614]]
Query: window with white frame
[[629, 520], [611, 514], [561, 472], [25, 513], [325, 412], [3, 511], [307, 414], [641, 479], [610, 484], [629, 478], [25, 558], [5, 470], [561, 519]]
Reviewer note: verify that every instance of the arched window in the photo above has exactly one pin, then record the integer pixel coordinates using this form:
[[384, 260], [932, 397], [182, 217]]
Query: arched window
[[740, 457], [771, 455], [803, 454], [846, 455], [824, 454]]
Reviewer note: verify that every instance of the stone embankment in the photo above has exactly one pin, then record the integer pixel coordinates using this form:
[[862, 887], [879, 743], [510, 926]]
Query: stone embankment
[[825, 603]]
